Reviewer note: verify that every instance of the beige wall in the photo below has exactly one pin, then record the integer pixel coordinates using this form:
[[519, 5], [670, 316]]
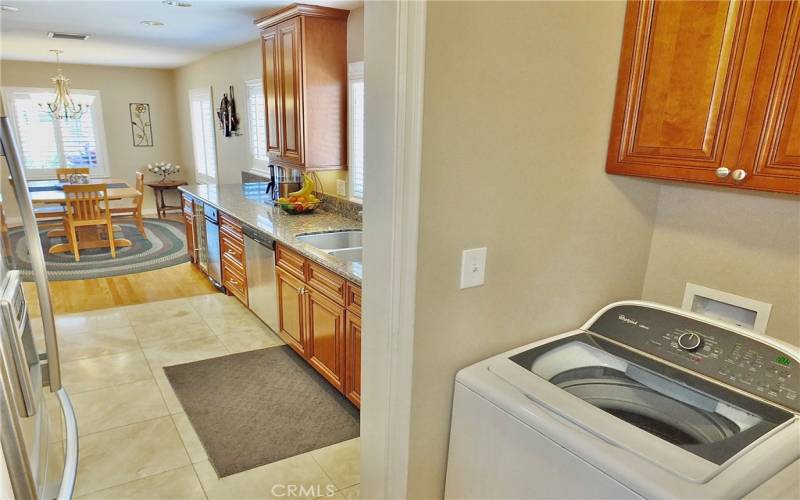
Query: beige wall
[[518, 101], [218, 71], [744, 243], [233, 67], [118, 87]]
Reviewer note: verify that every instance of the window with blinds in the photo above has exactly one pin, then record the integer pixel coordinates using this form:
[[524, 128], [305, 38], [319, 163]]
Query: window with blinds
[[355, 136], [203, 141], [46, 143], [257, 125]]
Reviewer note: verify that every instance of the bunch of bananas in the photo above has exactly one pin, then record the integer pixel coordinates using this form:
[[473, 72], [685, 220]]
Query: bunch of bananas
[[300, 201]]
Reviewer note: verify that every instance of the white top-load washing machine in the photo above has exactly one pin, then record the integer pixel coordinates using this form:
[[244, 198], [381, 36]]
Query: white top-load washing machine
[[644, 401]]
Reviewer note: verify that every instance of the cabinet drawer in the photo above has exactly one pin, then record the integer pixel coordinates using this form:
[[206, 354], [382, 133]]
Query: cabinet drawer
[[332, 285], [353, 301], [290, 261], [231, 227], [233, 279], [232, 249]]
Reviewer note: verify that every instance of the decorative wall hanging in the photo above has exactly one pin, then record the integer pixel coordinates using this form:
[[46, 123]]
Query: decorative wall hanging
[[141, 129], [228, 120]]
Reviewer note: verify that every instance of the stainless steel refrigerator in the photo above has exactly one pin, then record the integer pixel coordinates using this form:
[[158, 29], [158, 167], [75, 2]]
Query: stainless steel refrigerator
[[38, 430]]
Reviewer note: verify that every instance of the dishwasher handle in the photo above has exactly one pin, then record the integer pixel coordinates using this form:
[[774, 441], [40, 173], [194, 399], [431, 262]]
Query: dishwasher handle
[[259, 236]]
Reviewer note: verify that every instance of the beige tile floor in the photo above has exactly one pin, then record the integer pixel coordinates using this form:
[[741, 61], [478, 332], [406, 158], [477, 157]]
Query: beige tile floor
[[136, 441]]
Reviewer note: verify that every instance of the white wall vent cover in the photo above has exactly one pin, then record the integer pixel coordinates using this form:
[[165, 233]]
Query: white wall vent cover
[[724, 306], [68, 36]]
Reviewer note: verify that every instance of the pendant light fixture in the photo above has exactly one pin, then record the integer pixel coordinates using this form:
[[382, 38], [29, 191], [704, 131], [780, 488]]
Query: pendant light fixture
[[62, 107]]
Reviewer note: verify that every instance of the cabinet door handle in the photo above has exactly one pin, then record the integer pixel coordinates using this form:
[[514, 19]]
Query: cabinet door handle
[[723, 172], [233, 281], [739, 175]]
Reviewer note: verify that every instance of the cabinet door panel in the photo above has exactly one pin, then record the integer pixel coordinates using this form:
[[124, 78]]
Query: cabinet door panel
[[353, 358], [680, 67], [771, 147], [291, 310], [269, 52], [291, 89], [326, 337], [188, 221]]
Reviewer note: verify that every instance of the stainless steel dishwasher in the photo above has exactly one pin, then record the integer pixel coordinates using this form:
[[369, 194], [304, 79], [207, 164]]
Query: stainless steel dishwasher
[[259, 250], [212, 244]]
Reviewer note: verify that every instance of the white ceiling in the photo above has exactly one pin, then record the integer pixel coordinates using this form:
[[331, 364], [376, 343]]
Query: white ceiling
[[119, 39]]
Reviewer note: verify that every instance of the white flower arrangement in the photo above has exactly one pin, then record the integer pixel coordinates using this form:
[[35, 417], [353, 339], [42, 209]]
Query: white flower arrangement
[[163, 169]]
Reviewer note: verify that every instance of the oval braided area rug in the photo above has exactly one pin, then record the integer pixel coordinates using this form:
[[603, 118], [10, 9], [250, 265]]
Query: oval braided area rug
[[165, 246]]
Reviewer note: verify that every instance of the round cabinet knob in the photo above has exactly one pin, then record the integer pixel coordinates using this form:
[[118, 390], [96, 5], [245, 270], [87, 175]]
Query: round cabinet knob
[[723, 172], [690, 341], [739, 174]]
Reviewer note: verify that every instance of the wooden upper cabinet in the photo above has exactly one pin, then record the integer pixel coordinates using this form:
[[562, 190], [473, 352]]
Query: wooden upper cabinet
[[291, 102], [685, 92], [770, 150], [269, 53], [304, 51]]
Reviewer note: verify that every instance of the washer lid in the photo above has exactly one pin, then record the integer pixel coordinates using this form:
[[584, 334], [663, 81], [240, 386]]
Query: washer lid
[[706, 419]]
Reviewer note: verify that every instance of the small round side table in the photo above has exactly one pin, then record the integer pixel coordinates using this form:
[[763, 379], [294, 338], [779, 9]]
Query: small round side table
[[158, 191]]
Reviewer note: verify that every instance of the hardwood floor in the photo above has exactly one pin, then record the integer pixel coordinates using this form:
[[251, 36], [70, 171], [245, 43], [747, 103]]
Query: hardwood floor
[[184, 280]]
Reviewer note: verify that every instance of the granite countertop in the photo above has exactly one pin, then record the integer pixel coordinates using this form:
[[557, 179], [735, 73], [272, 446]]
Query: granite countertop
[[248, 203]]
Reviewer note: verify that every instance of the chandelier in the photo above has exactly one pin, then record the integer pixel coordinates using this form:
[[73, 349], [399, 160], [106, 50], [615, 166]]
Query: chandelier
[[62, 107]]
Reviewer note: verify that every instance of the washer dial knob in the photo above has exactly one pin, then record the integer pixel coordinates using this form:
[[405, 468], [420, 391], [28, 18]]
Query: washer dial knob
[[690, 341]]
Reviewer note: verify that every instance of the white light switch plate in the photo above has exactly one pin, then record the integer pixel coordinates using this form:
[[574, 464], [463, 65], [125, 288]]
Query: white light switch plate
[[473, 267], [341, 187]]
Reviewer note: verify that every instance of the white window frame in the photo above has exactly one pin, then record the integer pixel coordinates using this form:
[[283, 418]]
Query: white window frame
[[258, 164], [202, 177], [355, 73], [101, 153]]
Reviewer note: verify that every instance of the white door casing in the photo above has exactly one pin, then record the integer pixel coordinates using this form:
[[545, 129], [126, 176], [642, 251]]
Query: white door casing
[[394, 46]]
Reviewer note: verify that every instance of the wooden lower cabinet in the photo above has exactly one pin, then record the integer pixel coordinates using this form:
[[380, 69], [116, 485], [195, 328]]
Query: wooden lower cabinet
[[291, 305], [320, 318], [325, 339], [352, 335]]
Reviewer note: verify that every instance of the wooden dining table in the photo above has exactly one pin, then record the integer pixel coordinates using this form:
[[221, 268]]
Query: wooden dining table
[[51, 192]]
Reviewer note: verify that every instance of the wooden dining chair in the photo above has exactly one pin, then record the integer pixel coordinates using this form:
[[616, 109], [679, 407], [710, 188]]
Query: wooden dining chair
[[87, 205], [135, 210], [63, 173]]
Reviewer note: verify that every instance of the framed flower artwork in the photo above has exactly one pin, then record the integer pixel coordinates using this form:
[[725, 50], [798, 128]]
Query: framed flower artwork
[[141, 128]]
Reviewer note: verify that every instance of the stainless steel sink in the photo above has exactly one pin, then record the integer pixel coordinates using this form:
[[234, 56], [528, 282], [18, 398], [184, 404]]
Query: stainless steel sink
[[348, 254], [334, 240]]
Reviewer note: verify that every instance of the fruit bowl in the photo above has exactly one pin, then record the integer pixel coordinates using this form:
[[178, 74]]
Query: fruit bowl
[[300, 202], [299, 207]]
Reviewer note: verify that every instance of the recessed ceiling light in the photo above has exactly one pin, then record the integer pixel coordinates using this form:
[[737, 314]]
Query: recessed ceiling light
[[176, 3], [152, 23], [8, 8]]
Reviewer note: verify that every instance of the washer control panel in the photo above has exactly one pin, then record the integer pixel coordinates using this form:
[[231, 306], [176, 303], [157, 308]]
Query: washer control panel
[[725, 355]]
